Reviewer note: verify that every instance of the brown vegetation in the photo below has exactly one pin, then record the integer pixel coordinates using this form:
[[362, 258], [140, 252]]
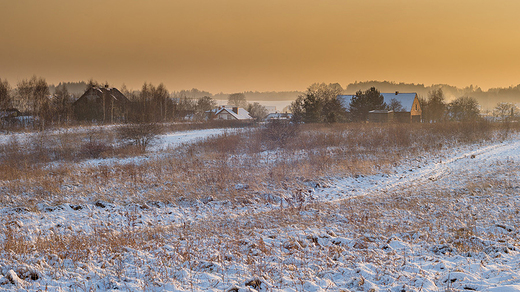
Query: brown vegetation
[[277, 156], [239, 168]]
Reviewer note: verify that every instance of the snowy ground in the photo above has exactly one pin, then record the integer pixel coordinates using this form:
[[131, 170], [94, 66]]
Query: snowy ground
[[433, 223], [163, 143]]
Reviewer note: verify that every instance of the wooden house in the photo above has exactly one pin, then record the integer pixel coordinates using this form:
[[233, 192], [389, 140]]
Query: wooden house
[[409, 111], [233, 113], [102, 104]]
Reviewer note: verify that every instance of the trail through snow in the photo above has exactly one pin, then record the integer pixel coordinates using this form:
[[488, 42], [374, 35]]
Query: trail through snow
[[452, 169]]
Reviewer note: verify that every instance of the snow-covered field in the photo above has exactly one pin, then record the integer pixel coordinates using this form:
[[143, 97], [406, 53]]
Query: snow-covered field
[[443, 221]]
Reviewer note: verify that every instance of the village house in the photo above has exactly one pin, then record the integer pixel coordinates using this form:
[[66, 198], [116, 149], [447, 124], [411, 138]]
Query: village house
[[102, 104], [9, 113], [231, 113], [409, 110], [10, 117], [278, 116]]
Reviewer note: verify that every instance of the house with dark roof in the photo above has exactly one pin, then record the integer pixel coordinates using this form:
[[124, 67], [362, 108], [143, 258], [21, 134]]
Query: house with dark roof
[[102, 104], [9, 113], [408, 107]]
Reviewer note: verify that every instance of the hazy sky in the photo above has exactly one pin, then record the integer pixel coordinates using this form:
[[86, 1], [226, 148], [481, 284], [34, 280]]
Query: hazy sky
[[237, 45]]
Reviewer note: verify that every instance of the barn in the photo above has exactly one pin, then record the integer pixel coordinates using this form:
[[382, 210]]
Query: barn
[[406, 107]]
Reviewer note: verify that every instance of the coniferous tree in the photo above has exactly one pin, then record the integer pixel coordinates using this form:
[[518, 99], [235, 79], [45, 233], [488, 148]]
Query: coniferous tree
[[434, 110], [363, 102], [464, 109]]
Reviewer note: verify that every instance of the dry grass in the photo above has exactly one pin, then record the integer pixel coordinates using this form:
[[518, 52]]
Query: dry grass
[[241, 168], [354, 228], [254, 159]]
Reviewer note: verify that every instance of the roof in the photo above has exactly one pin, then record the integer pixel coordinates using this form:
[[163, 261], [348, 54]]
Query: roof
[[406, 99], [242, 113], [278, 116], [99, 91], [380, 112], [9, 113], [345, 100]]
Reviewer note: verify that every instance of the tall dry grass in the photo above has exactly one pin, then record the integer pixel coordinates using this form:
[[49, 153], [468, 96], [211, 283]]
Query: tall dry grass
[[241, 168], [232, 166]]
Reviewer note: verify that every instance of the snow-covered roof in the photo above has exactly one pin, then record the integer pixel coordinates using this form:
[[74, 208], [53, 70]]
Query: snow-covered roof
[[380, 112], [345, 100], [241, 115], [406, 99], [278, 116]]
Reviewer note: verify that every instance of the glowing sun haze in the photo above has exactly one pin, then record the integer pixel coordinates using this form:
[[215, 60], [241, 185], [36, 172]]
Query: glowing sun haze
[[263, 45]]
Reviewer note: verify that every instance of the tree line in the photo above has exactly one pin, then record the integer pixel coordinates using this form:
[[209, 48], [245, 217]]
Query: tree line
[[318, 104], [151, 103]]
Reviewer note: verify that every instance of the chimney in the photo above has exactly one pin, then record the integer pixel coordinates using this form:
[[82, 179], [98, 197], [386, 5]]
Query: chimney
[[397, 92], [235, 109]]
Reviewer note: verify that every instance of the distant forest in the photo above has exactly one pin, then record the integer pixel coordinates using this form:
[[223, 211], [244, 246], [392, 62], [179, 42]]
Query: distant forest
[[487, 99]]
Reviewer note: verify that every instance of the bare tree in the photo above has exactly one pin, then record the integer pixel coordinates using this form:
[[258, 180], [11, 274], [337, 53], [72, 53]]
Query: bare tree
[[5, 97], [144, 106], [184, 108], [504, 110], [204, 104], [257, 111], [61, 104], [24, 90], [395, 105], [160, 96], [237, 99], [40, 100]]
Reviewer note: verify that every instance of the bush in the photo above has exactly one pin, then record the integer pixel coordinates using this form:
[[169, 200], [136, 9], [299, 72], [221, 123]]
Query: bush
[[278, 132], [95, 149], [140, 135]]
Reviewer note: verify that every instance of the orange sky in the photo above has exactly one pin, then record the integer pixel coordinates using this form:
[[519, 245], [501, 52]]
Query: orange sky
[[264, 45]]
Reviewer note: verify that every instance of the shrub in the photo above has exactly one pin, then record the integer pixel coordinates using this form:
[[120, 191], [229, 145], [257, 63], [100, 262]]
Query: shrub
[[94, 149], [140, 135], [278, 132]]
